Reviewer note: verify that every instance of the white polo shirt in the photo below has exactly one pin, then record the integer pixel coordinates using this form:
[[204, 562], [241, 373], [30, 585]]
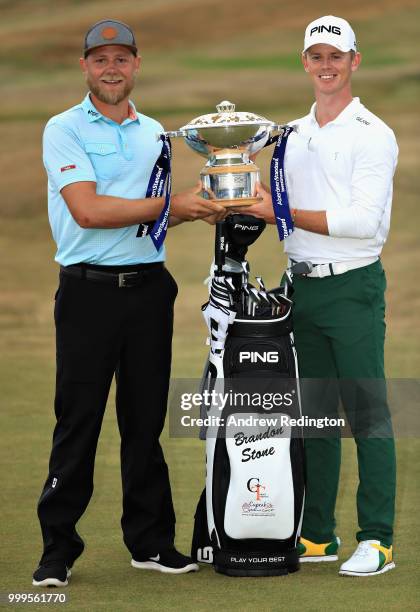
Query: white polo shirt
[[346, 168]]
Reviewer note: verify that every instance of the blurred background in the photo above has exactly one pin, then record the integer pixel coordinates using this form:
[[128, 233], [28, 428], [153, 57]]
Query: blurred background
[[195, 54]]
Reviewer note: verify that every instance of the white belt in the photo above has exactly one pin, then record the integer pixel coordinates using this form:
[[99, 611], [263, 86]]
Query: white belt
[[333, 269]]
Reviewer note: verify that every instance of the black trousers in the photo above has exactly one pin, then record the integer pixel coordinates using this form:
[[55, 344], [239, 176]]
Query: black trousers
[[104, 330]]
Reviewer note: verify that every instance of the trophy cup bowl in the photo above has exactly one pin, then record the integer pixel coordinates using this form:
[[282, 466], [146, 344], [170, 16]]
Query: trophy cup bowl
[[227, 139]]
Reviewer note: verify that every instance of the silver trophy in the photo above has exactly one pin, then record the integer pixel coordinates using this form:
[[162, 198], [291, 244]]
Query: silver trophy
[[228, 139]]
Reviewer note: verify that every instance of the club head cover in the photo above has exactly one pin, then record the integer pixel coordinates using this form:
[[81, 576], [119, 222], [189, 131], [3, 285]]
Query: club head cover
[[241, 232]]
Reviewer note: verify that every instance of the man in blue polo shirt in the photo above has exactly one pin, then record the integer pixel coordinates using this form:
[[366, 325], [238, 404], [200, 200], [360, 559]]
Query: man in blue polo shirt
[[114, 309]]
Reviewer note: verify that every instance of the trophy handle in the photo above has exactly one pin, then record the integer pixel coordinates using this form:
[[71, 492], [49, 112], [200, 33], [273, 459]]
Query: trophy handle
[[279, 127], [174, 134]]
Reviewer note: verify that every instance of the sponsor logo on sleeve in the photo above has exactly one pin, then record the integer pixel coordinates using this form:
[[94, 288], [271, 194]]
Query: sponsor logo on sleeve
[[68, 167]]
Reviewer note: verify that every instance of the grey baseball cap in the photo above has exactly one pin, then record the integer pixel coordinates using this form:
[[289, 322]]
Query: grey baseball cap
[[109, 32]]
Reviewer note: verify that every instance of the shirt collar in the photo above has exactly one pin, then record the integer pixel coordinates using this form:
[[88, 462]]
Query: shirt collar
[[343, 117], [90, 109], [132, 113], [93, 114]]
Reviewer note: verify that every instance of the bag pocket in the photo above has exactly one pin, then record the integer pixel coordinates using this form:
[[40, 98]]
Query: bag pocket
[[105, 159]]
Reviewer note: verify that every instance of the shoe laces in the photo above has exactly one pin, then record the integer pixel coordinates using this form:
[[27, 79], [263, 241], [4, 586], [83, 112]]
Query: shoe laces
[[362, 550]]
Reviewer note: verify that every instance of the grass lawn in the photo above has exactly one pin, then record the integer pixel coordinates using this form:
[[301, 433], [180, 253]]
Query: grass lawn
[[103, 578]]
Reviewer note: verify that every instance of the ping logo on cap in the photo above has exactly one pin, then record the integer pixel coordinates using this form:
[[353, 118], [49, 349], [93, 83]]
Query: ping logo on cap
[[322, 28], [109, 33]]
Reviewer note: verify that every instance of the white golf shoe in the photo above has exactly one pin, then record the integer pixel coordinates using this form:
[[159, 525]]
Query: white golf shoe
[[369, 559]]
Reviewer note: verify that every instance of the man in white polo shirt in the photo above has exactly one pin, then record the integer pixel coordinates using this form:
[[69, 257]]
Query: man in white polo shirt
[[339, 171]]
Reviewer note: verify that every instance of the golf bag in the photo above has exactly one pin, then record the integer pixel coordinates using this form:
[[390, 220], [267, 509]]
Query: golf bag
[[249, 515]]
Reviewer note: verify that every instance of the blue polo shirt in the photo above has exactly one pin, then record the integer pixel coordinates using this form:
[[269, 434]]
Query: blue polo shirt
[[83, 145]]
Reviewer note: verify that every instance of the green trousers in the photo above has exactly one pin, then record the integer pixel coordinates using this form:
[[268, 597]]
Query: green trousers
[[339, 331]]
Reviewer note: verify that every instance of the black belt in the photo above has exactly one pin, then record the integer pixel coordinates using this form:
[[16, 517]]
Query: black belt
[[130, 276]]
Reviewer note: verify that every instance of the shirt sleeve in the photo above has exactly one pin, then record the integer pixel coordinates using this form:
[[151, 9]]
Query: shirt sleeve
[[371, 186], [64, 157]]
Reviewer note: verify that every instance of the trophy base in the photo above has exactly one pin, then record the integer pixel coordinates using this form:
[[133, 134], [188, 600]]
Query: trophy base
[[236, 202]]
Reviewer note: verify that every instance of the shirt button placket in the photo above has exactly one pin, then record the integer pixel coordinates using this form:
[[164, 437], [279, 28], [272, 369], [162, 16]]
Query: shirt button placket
[[124, 145]]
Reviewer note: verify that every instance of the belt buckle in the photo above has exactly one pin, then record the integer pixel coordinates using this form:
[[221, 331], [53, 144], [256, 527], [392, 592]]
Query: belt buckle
[[122, 278]]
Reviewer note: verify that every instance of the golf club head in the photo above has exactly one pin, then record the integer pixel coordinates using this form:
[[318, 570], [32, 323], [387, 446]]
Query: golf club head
[[264, 297], [254, 293], [282, 302], [232, 266], [302, 268], [260, 283], [241, 232], [273, 299], [286, 283], [279, 294]]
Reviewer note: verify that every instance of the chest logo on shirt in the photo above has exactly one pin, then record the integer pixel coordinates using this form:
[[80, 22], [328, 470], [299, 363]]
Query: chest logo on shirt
[[311, 144], [362, 120], [69, 167]]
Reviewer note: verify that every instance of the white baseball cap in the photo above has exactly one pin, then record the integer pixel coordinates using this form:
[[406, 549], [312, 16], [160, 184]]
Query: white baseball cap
[[330, 30]]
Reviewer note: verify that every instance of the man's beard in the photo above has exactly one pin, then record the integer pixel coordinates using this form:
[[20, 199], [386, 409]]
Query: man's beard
[[110, 97]]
